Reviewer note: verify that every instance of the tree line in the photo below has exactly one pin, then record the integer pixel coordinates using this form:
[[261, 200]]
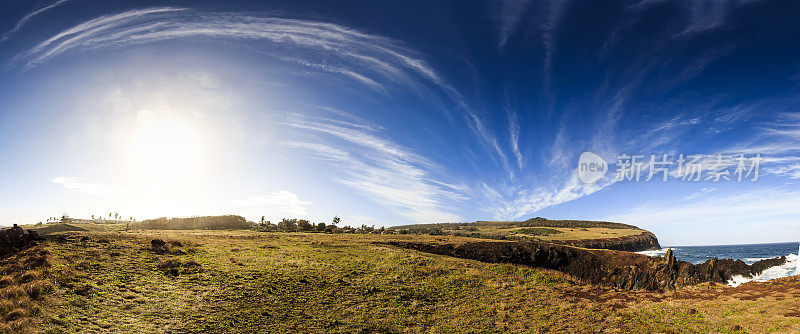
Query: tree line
[[304, 225]]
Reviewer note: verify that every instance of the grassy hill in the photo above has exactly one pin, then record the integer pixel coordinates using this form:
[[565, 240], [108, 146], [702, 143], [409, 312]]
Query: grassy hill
[[227, 222], [247, 281], [531, 229]]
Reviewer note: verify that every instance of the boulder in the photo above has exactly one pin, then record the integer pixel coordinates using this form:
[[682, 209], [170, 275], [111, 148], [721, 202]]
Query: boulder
[[158, 245], [15, 239]]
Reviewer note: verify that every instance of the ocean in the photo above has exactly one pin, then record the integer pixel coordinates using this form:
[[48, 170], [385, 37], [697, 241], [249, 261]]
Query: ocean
[[747, 253]]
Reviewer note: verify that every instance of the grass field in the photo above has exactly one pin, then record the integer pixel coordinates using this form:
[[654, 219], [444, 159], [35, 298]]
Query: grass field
[[563, 233], [245, 281], [538, 229]]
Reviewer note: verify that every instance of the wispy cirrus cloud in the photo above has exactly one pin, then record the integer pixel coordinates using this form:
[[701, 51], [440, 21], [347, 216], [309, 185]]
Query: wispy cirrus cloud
[[76, 185], [370, 60], [706, 15], [385, 172], [757, 210], [518, 201], [555, 11], [27, 18], [514, 128], [508, 14], [375, 55], [701, 193], [777, 138]]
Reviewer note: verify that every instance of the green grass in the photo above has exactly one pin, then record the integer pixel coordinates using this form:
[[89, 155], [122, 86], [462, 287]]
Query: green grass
[[244, 282], [536, 231]]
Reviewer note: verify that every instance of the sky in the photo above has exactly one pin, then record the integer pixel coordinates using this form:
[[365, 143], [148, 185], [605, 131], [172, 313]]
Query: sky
[[390, 113]]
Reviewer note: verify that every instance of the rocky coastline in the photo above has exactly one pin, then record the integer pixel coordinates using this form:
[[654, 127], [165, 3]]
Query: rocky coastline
[[611, 268], [634, 243]]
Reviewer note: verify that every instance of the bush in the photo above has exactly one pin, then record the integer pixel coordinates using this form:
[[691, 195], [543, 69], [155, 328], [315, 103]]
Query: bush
[[229, 222], [288, 225], [304, 225]]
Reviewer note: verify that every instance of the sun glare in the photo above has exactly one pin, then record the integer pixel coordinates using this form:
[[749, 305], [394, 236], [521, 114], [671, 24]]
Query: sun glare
[[166, 152]]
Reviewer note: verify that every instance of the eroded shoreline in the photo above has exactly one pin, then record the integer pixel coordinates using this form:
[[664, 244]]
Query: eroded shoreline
[[611, 268]]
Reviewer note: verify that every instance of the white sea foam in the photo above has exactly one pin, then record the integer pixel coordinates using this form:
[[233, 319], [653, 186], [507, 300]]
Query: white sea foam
[[787, 269], [797, 268], [654, 253], [751, 260]]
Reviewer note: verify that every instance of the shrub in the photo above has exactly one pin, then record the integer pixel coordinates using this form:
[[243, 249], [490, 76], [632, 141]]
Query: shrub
[[229, 222], [536, 231], [16, 314], [37, 289], [288, 225], [176, 266], [304, 225], [28, 276]]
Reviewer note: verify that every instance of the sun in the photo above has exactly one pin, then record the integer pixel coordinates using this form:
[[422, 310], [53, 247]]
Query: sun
[[166, 152]]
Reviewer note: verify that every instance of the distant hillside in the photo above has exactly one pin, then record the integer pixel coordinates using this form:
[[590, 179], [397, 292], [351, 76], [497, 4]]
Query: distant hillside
[[578, 233], [533, 222], [228, 222], [56, 228]]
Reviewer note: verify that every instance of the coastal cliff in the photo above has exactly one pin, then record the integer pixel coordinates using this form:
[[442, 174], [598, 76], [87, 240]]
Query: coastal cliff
[[618, 269], [634, 243], [577, 233]]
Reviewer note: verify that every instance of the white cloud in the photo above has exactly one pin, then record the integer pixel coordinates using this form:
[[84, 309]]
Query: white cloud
[[706, 15], [523, 202], [701, 193], [282, 202], [338, 49], [76, 185], [358, 220], [513, 130], [777, 144], [385, 172], [27, 18], [509, 13], [791, 171], [370, 60], [489, 139], [769, 209], [556, 9]]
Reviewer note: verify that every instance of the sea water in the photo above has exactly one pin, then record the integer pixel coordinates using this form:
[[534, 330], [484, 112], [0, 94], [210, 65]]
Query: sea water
[[747, 253]]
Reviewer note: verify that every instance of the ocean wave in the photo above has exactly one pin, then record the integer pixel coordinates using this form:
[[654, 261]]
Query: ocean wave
[[751, 260], [789, 268], [654, 253]]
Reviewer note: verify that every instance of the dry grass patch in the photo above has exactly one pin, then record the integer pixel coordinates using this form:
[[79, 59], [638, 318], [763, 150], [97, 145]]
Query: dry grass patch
[[318, 283], [25, 281]]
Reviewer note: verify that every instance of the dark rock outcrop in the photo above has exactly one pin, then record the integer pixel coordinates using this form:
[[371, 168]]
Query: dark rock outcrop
[[618, 269], [634, 243], [158, 246], [15, 239]]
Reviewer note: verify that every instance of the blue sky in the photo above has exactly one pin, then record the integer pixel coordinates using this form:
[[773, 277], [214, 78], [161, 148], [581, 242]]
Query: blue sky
[[395, 113]]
